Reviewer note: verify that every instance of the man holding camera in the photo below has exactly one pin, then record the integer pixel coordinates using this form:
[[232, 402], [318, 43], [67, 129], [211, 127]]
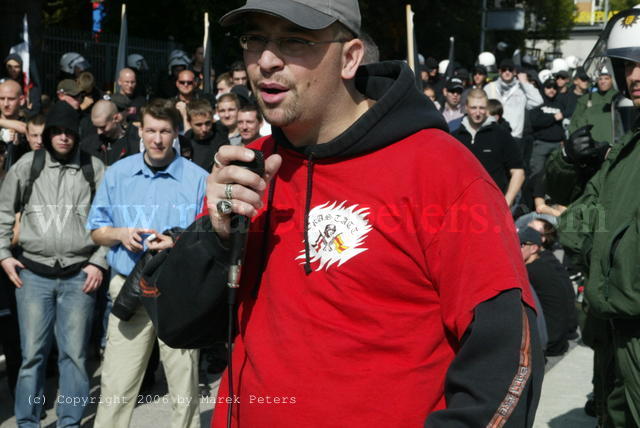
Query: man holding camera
[[143, 195]]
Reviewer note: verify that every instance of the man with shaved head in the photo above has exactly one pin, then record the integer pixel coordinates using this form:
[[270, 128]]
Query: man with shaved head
[[12, 128], [113, 139], [128, 83]]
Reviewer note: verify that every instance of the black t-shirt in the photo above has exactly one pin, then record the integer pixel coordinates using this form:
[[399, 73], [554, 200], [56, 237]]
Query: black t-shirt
[[551, 282]]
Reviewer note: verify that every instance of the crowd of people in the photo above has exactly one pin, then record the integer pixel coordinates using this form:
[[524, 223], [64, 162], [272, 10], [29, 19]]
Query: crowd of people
[[94, 181], [55, 154]]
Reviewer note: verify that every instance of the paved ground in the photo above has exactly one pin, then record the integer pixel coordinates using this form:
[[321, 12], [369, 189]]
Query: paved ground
[[564, 391]]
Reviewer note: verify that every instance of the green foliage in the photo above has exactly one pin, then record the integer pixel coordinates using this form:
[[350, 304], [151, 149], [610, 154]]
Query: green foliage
[[551, 19], [622, 4], [57, 12]]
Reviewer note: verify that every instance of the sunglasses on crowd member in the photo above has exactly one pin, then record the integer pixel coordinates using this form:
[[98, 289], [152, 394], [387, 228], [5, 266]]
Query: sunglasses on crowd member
[[503, 69], [186, 82], [290, 46]]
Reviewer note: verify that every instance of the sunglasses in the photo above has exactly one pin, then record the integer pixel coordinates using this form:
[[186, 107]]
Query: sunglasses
[[506, 69], [185, 82]]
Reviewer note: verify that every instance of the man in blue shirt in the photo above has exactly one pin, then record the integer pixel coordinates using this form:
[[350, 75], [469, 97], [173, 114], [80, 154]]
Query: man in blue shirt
[[145, 194]]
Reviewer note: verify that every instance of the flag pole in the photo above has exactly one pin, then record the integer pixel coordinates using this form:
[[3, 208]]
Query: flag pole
[[121, 59], [410, 57], [206, 46]]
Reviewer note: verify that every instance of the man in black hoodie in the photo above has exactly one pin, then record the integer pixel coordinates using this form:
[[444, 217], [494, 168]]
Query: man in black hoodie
[[341, 299], [546, 121], [205, 134], [59, 267]]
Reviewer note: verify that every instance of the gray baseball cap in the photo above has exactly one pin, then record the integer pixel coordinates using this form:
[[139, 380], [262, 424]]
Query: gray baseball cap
[[309, 14]]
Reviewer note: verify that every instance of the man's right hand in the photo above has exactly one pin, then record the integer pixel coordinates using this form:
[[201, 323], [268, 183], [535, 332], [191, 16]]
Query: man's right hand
[[247, 188], [582, 149], [132, 240], [10, 266]]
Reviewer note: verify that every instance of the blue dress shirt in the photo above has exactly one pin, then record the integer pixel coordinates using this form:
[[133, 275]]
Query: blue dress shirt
[[132, 195]]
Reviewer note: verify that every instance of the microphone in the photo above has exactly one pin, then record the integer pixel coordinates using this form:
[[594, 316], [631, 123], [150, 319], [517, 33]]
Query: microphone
[[240, 227], [238, 242]]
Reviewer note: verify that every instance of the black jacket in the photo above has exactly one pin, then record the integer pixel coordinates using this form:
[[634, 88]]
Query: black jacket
[[495, 148], [110, 151], [544, 124], [204, 150], [551, 282]]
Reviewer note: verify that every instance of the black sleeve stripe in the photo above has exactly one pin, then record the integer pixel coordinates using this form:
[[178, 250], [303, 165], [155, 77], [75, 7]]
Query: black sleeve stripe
[[519, 381]]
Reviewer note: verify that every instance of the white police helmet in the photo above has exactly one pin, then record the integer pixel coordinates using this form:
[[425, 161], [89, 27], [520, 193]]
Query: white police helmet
[[572, 61], [137, 62], [72, 60], [559, 64], [543, 75], [623, 44], [177, 58], [487, 59]]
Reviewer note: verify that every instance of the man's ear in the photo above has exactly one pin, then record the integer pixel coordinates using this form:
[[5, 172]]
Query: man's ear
[[352, 54], [22, 100], [117, 117]]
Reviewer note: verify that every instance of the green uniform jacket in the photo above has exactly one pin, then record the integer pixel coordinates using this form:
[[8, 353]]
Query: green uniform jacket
[[603, 225], [598, 114], [563, 181]]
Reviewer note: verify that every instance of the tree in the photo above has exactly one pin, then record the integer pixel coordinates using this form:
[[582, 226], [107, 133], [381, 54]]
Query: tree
[[550, 19], [617, 5]]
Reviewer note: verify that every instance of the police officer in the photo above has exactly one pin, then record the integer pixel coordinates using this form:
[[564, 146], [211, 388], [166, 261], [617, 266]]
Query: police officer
[[608, 209]]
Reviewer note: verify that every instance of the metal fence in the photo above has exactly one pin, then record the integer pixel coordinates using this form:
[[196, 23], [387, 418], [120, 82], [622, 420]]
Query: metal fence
[[101, 54]]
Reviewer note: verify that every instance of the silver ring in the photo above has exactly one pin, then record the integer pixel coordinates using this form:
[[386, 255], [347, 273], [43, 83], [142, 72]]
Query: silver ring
[[228, 191], [224, 207], [216, 162]]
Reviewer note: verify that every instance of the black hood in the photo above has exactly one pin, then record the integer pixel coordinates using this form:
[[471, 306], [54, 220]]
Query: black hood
[[400, 110], [14, 57], [61, 115]]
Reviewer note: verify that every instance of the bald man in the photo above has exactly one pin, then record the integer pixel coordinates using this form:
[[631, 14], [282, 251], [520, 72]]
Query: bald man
[[127, 82], [114, 138], [13, 130]]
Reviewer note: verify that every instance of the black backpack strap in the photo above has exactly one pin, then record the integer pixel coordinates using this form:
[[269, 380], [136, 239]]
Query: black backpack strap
[[37, 165], [87, 170]]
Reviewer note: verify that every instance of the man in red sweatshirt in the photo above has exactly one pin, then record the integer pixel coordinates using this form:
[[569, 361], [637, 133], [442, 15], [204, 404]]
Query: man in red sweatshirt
[[383, 284]]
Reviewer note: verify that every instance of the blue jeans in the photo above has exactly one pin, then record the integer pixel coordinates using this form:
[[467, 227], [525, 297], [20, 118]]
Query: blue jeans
[[47, 308]]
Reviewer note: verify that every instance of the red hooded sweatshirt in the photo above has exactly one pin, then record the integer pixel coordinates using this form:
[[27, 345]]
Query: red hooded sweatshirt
[[363, 277]]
